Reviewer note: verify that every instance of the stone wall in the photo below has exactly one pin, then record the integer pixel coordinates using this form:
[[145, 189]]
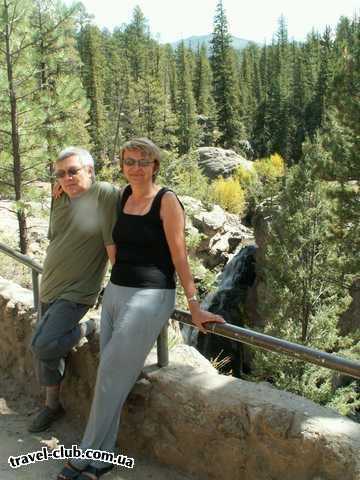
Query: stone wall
[[189, 416]]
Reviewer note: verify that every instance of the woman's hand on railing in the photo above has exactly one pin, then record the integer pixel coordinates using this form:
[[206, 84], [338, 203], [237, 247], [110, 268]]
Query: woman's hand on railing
[[200, 317]]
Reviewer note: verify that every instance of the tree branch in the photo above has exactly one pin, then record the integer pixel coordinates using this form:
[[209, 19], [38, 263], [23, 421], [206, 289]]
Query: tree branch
[[8, 209], [27, 94], [6, 132], [30, 181], [34, 165], [3, 182]]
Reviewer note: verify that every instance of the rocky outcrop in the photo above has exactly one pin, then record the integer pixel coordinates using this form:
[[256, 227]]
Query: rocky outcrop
[[221, 233], [189, 416], [217, 162]]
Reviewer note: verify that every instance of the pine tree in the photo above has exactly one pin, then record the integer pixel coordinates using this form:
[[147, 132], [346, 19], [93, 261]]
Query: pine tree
[[20, 156], [169, 124], [225, 83], [303, 295], [278, 107], [117, 93], [188, 132], [261, 135], [91, 47], [136, 36], [203, 96], [312, 55], [170, 73], [318, 106], [251, 91], [341, 139], [150, 102], [297, 104], [61, 94]]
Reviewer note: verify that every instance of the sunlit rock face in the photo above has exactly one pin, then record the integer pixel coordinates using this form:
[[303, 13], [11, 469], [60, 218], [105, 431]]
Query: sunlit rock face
[[222, 233], [218, 162]]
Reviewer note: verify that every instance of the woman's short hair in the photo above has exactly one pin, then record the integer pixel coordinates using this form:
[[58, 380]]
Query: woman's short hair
[[151, 151], [83, 155]]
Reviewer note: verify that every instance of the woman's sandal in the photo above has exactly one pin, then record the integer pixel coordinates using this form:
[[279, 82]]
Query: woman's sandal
[[92, 473], [69, 472]]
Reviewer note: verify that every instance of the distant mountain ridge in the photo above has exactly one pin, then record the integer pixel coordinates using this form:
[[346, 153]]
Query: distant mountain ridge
[[194, 41]]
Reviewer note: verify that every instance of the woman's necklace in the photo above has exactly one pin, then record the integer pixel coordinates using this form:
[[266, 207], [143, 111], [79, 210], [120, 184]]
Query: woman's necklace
[[139, 207]]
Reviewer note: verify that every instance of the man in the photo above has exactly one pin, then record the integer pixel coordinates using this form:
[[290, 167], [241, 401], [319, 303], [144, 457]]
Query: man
[[80, 234]]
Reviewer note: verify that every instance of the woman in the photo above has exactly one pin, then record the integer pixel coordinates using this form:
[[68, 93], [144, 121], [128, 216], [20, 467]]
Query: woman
[[140, 297]]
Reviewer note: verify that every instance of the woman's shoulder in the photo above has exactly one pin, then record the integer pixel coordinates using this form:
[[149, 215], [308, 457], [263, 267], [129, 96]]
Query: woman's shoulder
[[170, 197], [164, 190]]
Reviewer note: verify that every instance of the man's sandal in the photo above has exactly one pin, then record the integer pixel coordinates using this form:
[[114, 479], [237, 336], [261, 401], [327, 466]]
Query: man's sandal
[[92, 473], [69, 472]]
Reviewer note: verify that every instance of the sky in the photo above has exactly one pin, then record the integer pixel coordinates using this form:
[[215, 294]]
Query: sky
[[256, 20]]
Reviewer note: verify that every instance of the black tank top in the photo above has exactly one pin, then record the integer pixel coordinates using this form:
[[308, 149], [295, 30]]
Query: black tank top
[[143, 257]]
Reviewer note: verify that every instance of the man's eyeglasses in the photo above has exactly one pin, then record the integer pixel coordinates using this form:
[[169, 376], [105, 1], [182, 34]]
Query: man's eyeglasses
[[71, 172], [130, 162]]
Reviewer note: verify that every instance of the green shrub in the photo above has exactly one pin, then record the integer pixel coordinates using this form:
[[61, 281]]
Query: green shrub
[[245, 177], [183, 175]]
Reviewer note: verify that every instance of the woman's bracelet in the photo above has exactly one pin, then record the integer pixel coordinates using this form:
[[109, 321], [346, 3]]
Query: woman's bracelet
[[193, 298]]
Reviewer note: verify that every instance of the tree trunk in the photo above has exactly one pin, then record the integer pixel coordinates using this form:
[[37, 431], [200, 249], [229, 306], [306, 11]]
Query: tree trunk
[[15, 139]]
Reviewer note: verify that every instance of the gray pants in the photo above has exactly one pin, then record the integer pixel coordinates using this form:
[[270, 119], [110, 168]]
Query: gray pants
[[56, 333], [131, 320]]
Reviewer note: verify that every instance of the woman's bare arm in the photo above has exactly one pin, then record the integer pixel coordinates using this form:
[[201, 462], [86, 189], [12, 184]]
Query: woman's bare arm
[[173, 219]]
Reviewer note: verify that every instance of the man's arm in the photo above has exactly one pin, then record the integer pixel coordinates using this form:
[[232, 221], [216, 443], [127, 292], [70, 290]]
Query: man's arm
[[49, 232], [108, 200], [111, 251]]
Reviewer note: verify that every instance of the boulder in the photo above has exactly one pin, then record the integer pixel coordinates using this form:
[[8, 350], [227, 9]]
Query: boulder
[[222, 234], [218, 162], [210, 222]]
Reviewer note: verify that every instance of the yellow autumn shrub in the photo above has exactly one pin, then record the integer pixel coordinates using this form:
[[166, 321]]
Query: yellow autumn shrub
[[229, 194], [271, 167]]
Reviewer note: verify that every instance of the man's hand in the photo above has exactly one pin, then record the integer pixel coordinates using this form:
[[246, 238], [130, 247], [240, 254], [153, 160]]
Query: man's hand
[[57, 190]]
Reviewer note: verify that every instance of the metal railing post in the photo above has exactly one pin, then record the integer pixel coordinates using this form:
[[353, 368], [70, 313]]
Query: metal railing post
[[163, 347], [36, 289]]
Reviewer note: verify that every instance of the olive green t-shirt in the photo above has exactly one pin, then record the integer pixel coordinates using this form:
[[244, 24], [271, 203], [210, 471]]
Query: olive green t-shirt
[[76, 257]]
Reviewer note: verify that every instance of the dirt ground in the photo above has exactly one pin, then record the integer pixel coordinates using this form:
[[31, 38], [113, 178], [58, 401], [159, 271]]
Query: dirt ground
[[15, 411]]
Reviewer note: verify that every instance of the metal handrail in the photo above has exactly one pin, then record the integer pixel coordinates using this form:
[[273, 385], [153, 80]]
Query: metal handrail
[[273, 344], [227, 330], [36, 269]]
